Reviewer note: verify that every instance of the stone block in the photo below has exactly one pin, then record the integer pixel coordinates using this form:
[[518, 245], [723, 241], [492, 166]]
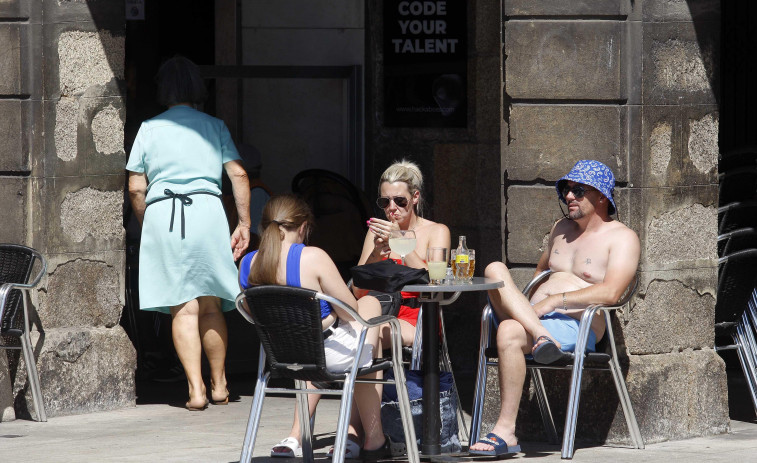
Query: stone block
[[677, 226], [14, 198], [522, 275], [681, 63], [700, 142], [684, 299], [288, 14], [89, 286], [80, 58], [546, 140], [680, 395], [106, 15], [531, 213], [679, 145], [573, 60], [100, 139], [10, 59], [83, 214], [14, 9], [680, 10], [13, 150], [303, 47], [593, 8], [82, 370]]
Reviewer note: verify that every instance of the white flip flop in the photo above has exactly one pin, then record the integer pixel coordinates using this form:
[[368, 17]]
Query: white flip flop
[[292, 446]]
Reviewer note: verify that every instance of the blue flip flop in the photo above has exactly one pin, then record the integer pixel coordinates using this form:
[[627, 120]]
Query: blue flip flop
[[500, 447], [546, 352]]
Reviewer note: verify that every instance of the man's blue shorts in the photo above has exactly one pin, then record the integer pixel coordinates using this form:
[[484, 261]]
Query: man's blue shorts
[[564, 329]]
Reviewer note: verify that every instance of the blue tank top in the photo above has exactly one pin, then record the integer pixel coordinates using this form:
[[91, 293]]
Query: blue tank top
[[292, 274]]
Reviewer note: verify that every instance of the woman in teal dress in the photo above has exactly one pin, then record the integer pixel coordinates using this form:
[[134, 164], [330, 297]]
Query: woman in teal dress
[[186, 254]]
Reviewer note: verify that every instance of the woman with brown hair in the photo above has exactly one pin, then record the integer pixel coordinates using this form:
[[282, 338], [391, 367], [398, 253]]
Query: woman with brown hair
[[283, 259]]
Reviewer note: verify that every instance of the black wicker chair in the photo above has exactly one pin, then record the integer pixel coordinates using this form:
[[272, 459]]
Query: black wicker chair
[[605, 358], [743, 238], [341, 211], [16, 266], [736, 312], [737, 215], [738, 184], [288, 323]]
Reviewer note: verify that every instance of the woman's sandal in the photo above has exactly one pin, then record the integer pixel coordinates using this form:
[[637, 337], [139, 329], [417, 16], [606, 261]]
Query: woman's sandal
[[291, 448]]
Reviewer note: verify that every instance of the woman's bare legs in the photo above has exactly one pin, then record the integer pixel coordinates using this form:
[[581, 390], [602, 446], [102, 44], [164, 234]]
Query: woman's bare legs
[[212, 326], [186, 338]]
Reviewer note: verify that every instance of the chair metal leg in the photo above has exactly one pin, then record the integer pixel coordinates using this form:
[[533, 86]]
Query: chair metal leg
[[411, 442], [33, 376], [746, 352], [415, 361], [253, 423], [620, 386], [625, 402], [480, 388], [544, 409], [304, 418], [574, 397]]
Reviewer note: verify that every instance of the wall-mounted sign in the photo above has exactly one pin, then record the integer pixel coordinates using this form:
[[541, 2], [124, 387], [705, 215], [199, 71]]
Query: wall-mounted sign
[[425, 63], [135, 9]]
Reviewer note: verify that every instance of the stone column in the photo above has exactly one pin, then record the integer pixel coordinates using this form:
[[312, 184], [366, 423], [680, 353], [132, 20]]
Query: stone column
[[64, 151], [634, 85]]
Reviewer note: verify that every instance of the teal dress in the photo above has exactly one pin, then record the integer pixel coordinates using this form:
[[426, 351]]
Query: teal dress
[[185, 250]]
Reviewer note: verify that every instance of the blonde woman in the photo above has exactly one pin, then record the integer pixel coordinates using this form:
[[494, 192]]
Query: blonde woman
[[283, 259], [401, 198]]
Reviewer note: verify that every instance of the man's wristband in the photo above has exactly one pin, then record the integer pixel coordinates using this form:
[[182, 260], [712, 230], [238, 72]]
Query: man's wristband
[[564, 302]]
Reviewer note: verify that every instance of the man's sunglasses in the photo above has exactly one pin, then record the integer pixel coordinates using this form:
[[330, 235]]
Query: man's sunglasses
[[383, 201], [578, 191]]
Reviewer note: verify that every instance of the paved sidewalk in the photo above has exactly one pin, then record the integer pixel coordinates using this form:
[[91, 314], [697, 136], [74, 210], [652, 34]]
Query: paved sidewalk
[[159, 432]]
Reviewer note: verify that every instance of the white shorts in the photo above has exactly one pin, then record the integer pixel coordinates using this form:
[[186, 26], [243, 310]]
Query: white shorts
[[341, 347]]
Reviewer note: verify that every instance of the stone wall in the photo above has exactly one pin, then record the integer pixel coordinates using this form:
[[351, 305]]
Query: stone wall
[[61, 161], [634, 85]]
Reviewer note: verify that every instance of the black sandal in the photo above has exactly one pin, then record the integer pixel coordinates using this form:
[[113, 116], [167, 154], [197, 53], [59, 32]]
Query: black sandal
[[381, 453]]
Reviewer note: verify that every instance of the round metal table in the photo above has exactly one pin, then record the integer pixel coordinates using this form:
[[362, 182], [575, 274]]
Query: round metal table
[[433, 296]]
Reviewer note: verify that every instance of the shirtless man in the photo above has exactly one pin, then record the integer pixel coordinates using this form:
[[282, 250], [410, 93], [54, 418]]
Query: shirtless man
[[593, 259]]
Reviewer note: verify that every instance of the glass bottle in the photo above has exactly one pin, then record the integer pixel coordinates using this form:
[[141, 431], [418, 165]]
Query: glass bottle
[[461, 260]]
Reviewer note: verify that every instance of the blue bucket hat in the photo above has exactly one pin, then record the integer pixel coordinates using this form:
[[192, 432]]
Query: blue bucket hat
[[594, 174]]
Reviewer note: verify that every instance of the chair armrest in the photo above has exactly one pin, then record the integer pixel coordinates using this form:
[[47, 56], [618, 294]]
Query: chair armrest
[[240, 303], [380, 320], [39, 275], [6, 288], [535, 281]]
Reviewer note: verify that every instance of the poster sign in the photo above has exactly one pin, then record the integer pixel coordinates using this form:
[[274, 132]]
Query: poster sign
[[135, 10], [425, 63]]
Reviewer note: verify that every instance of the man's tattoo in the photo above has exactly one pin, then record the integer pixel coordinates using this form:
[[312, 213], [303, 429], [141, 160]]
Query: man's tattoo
[[588, 261], [556, 252]]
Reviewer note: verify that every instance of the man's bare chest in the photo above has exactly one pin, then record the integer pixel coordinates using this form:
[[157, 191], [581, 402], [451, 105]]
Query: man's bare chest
[[586, 259]]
